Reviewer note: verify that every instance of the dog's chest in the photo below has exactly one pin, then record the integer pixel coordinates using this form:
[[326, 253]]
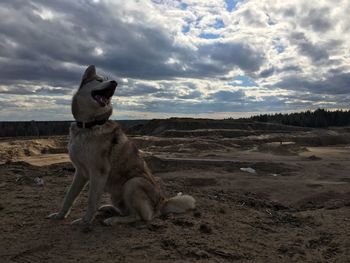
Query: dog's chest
[[84, 150]]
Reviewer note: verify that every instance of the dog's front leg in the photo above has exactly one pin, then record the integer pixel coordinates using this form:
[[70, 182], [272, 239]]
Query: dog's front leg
[[96, 188], [77, 185]]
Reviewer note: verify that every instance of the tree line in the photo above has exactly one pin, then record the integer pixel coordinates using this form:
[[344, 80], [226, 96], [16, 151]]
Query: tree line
[[319, 118], [47, 128], [33, 128]]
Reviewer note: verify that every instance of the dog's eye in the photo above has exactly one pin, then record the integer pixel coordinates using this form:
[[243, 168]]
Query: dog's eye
[[99, 80]]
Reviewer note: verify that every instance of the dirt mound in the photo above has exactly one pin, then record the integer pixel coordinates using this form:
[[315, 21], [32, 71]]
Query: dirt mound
[[188, 145], [146, 142], [311, 138], [317, 139], [280, 148], [15, 149], [327, 200], [177, 164], [225, 133]]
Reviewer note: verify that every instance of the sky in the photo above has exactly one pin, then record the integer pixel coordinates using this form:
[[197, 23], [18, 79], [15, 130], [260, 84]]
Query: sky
[[171, 58]]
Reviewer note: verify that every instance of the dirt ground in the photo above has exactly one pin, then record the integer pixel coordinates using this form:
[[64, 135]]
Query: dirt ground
[[293, 207]]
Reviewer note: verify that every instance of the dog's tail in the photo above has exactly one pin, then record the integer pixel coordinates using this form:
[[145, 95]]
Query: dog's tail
[[178, 204]]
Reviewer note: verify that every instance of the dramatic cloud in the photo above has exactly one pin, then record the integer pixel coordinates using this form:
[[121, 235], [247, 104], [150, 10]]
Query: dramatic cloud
[[175, 58]]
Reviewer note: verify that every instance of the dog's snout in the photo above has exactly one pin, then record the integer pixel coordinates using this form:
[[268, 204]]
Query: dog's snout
[[113, 82]]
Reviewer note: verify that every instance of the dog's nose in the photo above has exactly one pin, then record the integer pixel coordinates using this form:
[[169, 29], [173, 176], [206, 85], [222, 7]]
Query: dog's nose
[[113, 82]]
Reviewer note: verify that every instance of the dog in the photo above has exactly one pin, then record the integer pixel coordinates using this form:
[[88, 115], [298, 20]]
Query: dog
[[104, 156]]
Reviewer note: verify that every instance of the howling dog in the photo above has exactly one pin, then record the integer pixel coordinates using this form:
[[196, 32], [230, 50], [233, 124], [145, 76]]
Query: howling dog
[[104, 156]]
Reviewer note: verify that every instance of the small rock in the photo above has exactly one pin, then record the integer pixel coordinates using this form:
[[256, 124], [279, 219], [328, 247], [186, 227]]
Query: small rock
[[86, 229], [197, 214], [204, 228], [198, 253], [222, 210], [155, 227], [168, 244], [334, 204], [39, 181], [182, 222], [314, 158]]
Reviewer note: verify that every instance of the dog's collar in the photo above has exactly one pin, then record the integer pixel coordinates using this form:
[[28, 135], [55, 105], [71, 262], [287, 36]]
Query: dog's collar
[[88, 125]]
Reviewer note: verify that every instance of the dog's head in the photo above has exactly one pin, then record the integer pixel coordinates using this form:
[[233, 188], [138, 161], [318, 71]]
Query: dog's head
[[92, 101]]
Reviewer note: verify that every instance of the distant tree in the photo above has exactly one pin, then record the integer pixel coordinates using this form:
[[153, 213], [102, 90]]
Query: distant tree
[[318, 118]]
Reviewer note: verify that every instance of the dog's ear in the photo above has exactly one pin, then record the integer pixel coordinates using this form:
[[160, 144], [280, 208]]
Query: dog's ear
[[89, 73]]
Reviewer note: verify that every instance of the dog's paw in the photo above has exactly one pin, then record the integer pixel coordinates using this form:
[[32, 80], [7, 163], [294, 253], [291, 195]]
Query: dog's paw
[[55, 216], [80, 222], [109, 221], [109, 210]]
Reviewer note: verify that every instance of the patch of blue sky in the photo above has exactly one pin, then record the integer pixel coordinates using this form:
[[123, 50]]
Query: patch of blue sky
[[231, 4], [186, 28], [183, 6], [279, 48], [270, 21], [243, 81], [209, 35], [219, 24]]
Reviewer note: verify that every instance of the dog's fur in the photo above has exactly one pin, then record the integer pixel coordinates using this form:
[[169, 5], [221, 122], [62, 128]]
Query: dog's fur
[[104, 156]]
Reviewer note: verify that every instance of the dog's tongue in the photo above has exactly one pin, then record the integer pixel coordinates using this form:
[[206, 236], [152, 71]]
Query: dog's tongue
[[103, 101]]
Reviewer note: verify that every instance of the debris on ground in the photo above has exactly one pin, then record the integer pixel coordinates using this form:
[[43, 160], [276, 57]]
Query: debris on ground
[[249, 170], [27, 180]]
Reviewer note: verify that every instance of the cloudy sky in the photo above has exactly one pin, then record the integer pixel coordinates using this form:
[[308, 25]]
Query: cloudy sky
[[193, 58]]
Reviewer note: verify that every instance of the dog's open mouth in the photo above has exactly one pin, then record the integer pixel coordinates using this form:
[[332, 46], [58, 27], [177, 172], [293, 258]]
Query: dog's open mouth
[[103, 96]]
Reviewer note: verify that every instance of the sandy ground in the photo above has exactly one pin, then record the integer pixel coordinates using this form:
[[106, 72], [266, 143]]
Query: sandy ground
[[294, 208]]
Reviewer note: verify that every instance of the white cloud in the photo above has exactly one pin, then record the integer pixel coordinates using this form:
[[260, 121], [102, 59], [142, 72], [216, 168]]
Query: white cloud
[[44, 14], [98, 51]]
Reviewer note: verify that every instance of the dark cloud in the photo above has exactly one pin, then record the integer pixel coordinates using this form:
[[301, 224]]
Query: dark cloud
[[165, 90], [195, 94], [216, 106], [7, 104], [333, 84], [338, 70], [63, 101], [48, 91], [41, 46], [289, 12], [267, 72], [19, 90], [30, 90], [37, 50], [224, 95], [165, 95], [136, 90], [230, 55], [318, 19], [315, 52], [252, 18], [289, 68], [340, 100], [18, 71]]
